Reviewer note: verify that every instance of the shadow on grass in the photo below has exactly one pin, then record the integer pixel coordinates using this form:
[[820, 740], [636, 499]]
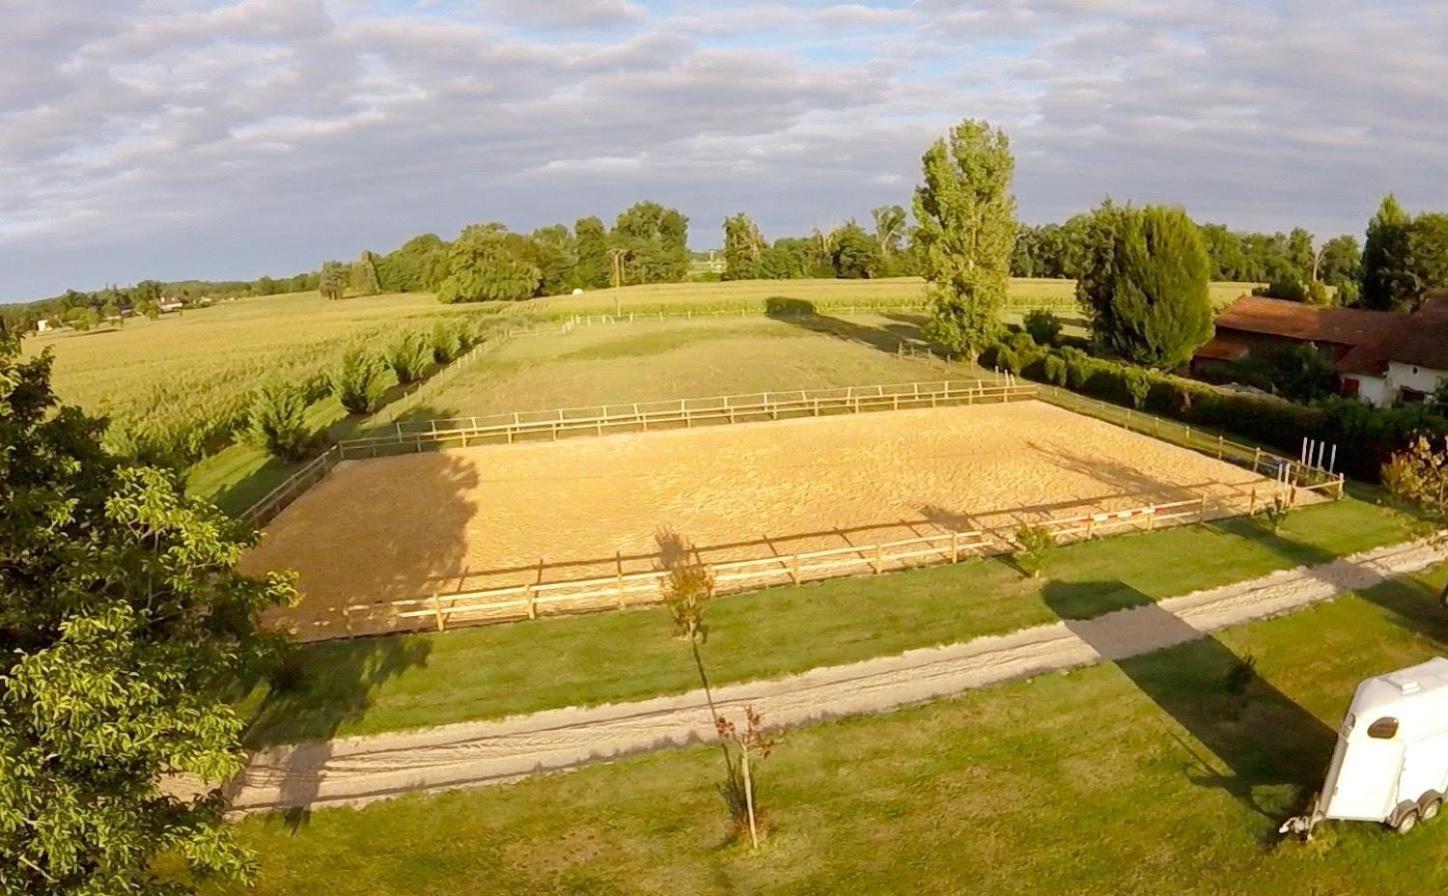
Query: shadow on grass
[[316, 690], [1257, 736]]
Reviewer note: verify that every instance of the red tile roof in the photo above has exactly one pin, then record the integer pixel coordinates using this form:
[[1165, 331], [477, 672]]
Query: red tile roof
[[1220, 349], [1372, 338]]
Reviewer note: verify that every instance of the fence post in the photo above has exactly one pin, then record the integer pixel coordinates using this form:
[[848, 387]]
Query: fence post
[[1090, 525], [1202, 513], [618, 560], [794, 568], [532, 602], [1252, 503], [954, 546], [1256, 459], [879, 558], [1221, 445], [437, 611]]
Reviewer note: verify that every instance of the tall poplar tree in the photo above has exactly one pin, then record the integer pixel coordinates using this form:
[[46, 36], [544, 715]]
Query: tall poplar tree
[[743, 248], [967, 230]]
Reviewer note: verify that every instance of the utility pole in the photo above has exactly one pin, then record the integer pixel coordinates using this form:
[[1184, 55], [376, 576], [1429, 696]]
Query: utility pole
[[617, 255]]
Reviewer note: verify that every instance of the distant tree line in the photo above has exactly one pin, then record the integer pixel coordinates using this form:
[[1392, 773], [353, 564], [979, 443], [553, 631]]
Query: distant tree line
[[848, 252], [648, 243], [84, 310]]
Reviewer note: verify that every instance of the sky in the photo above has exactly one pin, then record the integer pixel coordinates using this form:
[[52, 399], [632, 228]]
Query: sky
[[173, 139]]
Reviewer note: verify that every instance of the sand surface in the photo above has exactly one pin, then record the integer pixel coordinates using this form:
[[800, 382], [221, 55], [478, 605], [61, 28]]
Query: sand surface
[[351, 771], [414, 525]]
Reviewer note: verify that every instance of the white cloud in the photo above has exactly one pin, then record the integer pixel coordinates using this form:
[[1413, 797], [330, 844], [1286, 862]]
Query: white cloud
[[187, 137]]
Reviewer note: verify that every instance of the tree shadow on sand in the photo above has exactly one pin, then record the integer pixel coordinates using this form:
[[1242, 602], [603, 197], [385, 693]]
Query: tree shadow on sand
[[1256, 738]]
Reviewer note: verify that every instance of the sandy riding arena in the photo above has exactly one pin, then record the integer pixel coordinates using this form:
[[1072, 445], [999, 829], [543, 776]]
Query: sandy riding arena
[[414, 525]]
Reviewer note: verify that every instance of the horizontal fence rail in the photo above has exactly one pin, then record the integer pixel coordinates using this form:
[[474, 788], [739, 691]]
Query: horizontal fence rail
[[643, 416], [441, 611]]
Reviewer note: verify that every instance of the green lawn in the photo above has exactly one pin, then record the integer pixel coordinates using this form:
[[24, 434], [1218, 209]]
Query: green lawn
[[380, 684], [1151, 776]]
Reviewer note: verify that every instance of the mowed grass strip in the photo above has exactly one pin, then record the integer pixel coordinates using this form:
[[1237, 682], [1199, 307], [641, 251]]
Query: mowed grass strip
[[399, 682], [1156, 775]]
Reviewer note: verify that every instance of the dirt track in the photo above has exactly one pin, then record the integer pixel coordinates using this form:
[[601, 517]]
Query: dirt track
[[410, 526], [359, 770]]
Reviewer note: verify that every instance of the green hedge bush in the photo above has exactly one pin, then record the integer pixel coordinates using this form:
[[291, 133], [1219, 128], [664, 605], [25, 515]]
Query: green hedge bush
[[1365, 436]]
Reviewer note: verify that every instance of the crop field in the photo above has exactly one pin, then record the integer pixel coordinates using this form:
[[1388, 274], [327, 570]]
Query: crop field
[[200, 365], [413, 525], [1165, 773], [1024, 293]]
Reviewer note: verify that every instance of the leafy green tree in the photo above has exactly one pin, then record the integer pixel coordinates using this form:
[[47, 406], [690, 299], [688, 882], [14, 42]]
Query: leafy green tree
[[415, 266], [1145, 285], [146, 291], [555, 253], [891, 228], [656, 240], [1428, 254], [487, 263], [358, 380], [744, 248], [967, 229], [1302, 254], [594, 266], [1386, 267], [123, 621], [362, 275], [856, 254], [278, 419], [333, 283], [1340, 262]]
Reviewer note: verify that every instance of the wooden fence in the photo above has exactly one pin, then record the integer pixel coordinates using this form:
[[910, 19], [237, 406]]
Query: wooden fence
[[439, 612], [276, 500], [459, 432]]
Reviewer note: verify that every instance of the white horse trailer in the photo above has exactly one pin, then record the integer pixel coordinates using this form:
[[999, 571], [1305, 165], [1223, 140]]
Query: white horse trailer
[[1391, 761]]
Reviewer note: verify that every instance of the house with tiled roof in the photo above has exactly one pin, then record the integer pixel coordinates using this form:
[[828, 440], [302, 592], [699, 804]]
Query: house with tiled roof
[[1382, 357]]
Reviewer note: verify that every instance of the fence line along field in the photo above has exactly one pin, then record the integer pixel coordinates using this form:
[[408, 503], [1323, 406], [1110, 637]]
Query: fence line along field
[[665, 359], [410, 526]]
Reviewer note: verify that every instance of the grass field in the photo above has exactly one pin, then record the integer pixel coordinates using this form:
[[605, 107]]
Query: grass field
[[398, 682], [1148, 776]]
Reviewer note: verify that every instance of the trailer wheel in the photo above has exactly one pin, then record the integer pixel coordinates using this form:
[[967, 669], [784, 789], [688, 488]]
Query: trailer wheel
[[1406, 819], [1429, 806]]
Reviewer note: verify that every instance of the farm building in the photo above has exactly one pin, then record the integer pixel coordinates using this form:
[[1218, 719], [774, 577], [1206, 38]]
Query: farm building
[[1383, 357]]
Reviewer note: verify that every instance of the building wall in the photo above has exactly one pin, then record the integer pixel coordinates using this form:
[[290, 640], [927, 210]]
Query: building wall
[[1409, 376], [1372, 389]]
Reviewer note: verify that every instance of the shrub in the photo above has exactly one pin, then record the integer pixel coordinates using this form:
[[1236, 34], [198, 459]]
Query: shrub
[[1053, 370], [357, 380], [1044, 327], [409, 356], [446, 342], [1006, 359], [1033, 548], [1138, 385], [278, 419]]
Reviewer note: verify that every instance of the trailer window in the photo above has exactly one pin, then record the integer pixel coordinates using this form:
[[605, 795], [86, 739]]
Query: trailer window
[[1384, 729]]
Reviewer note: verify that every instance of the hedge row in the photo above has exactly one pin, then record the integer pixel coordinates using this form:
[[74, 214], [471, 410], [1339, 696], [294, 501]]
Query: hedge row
[[1365, 436]]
